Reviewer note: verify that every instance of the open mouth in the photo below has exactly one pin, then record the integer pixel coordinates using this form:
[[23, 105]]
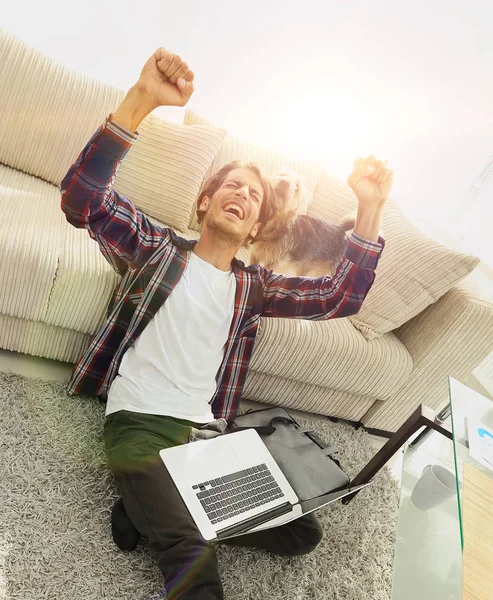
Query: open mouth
[[235, 210]]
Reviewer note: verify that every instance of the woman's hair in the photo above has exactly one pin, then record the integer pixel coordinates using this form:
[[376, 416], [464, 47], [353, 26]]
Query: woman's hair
[[268, 207]]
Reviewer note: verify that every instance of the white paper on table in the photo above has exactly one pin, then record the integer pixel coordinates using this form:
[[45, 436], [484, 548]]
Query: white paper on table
[[480, 443]]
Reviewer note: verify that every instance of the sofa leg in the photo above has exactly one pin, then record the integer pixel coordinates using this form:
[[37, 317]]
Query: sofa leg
[[379, 432], [355, 424]]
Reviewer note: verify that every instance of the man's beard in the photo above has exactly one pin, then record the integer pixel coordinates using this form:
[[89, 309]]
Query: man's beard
[[231, 238]]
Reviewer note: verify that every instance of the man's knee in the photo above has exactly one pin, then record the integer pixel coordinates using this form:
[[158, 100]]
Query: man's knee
[[313, 538], [309, 534]]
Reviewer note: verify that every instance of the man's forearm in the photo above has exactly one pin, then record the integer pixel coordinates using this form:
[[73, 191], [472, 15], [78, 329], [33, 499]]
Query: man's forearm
[[368, 221], [133, 110]]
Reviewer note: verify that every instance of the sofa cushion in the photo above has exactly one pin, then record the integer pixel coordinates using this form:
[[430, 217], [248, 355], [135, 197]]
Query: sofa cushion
[[31, 234], [311, 398], [331, 354], [50, 271], [414, 270], [267, 160], [49, 113]]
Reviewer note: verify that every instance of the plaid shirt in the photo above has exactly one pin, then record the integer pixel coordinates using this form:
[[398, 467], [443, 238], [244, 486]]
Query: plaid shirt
[[151, 260]]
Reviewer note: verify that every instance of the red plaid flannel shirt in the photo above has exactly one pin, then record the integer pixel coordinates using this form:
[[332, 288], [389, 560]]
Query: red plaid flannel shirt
[[151, 260]]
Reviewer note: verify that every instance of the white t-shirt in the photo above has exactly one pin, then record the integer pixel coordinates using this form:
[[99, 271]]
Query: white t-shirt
[[171, 368]]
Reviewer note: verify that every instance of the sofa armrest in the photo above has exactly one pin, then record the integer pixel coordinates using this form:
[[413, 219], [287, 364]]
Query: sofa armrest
[[450, 337]]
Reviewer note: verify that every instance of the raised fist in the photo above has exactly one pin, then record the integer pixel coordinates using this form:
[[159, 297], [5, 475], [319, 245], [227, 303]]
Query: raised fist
[[371, 180], [166, 79]]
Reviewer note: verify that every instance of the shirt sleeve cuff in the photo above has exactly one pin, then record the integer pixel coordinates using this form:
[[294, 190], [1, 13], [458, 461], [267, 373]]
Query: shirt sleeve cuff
[[112, 139], [364, 253], [119, 130]]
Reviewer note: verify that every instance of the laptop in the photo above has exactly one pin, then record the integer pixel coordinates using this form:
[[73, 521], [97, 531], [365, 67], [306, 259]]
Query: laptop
[[232, 485]]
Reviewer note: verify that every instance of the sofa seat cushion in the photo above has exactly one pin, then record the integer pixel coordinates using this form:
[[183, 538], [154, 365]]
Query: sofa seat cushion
[[332, 354], [31, 236], [51, 271]]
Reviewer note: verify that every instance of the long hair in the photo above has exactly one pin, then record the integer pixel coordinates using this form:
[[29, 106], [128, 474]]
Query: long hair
[[268, 207]]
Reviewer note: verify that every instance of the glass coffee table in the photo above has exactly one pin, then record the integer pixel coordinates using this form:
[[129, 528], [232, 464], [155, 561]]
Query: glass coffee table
[[428, 559], [429, 543]]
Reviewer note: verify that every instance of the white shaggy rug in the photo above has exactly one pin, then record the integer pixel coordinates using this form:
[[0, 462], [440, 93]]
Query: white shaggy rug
[[56, 496]]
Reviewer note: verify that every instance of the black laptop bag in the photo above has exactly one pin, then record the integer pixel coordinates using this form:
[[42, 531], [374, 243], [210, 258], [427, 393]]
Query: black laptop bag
[[305, 460]]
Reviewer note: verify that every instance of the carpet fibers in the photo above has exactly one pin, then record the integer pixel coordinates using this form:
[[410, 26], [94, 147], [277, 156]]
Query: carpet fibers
[[56, 496]]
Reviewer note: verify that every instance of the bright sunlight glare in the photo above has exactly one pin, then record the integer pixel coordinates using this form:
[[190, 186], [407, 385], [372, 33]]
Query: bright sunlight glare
[[336, 126]]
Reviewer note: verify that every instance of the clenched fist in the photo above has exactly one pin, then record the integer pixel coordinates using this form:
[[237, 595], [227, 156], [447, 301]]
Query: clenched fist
[[166, 79], [371, 181]]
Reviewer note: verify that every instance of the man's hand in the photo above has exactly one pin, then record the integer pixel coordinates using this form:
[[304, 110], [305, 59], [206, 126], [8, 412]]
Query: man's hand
[[166, 80], [371, 181]]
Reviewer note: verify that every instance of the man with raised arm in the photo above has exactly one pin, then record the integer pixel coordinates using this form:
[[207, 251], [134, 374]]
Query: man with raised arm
[[172, 354]]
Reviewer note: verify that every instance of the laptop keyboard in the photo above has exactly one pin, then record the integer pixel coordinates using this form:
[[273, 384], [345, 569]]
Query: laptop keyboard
[[238, 492]]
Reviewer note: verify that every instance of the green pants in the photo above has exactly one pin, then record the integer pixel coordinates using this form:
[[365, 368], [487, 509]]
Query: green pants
[[156, 508]]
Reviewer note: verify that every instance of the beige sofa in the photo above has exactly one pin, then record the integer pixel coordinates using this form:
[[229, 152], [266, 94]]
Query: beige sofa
[[424, 319]]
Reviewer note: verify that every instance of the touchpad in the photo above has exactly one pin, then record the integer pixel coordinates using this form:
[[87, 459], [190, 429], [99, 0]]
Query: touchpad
[[213, 458]]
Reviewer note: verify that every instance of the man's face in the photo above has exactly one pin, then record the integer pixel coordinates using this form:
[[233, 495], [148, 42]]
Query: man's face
[[233, 212]]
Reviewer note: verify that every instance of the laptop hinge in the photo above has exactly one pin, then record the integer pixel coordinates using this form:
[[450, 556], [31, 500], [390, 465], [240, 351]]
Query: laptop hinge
[[263, 517]]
